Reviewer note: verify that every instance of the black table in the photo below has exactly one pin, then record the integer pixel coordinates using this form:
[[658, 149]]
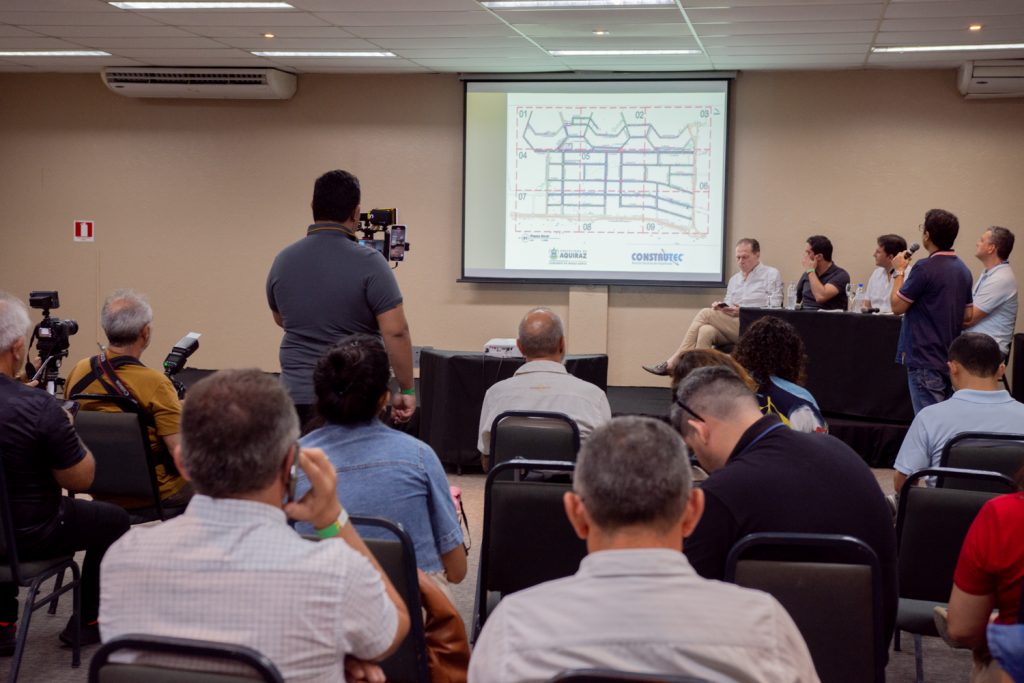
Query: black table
[[451, 393], [851, 368]]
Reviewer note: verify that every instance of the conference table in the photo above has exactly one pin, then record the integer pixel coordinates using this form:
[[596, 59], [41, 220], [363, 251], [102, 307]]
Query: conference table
[[851, 368], [451, 394]]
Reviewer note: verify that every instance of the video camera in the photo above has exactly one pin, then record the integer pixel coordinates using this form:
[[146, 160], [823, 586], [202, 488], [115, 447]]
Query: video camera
[[52, 340], [393, 246]]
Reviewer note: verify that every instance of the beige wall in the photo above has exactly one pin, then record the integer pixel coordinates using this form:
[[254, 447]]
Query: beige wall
[[193, 199]]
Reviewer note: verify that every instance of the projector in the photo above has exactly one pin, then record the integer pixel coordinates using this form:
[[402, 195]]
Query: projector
[[502, 348]]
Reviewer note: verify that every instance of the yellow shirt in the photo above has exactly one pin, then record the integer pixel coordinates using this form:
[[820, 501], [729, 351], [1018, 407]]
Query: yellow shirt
[[157, 397]]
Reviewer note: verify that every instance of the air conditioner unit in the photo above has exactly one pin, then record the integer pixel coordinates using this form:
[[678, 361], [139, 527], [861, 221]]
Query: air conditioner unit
[[992, 78], [207, 83]]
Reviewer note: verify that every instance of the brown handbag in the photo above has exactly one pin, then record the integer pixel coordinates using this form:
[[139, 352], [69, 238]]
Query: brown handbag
[[447, 643]]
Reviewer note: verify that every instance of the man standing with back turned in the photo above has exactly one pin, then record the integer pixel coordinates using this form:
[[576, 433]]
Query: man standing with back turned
[[326, 286], [936, 299]]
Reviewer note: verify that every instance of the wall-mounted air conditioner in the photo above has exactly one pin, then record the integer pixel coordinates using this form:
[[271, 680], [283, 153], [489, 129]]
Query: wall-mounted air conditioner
[[209, 83], [992, 78]]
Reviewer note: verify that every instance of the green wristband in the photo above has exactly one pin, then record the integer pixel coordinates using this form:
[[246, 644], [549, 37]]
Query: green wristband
[[408, 392], [335, 528]]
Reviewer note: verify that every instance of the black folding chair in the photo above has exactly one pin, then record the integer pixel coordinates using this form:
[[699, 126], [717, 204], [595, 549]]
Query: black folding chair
[[397, 558], [806, 572], [931, 524], [1003, 453], [161, 659], [533, 435], [610, 676], [526, 537], [31, 575]]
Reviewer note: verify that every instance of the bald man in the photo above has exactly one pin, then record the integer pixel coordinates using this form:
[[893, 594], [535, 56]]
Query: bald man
[[543, 383]]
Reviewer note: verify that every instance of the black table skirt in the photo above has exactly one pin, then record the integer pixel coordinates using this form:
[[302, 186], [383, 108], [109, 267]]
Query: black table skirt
[[451, 394], [851, 367]]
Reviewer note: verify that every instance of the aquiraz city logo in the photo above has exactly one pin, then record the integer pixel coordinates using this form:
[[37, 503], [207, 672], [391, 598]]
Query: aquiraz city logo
[[567, 257], [661, 257]]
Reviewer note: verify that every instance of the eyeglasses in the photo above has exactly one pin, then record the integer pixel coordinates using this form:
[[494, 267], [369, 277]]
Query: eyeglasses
[[690, 410]]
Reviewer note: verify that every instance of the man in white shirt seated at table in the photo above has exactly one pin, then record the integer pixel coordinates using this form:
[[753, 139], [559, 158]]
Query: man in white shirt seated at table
[[995, 293], [720, 324], [879, 290]]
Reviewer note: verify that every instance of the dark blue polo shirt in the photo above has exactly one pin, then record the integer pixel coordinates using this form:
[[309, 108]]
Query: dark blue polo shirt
[[780, 480], [938, 290]]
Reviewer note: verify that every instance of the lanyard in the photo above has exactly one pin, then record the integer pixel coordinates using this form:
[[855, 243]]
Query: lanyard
[[760, 436]]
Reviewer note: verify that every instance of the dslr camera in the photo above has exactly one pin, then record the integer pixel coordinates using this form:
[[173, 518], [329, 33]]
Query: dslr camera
[[52, 338]]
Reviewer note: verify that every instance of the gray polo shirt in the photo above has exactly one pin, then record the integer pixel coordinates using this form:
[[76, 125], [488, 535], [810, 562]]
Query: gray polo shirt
[[325, 286]]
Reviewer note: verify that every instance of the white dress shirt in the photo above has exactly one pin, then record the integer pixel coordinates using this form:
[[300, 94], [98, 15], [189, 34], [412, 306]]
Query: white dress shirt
[[644, 611], [544, 385], [753, 290], [233, 571], [879, 290]]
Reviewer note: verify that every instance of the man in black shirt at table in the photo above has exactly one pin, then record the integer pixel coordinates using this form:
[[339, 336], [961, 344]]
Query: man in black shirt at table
[[767, 478], [41, 454], [823, 284]]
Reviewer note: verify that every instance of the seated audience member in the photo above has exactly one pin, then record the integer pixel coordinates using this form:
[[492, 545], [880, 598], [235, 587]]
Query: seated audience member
[[381, 471], [636, 604], [879, 290], [127, 321], [706, 358], [988, 576], [980, 404], [823, 284], [995, 293], [231, 569], [543, 383], [773, 352], [766, 478], [720, 324], [41, 454]]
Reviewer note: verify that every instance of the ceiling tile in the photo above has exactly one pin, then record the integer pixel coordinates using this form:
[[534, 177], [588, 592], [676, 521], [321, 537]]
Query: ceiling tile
[[118, 18], [670, 28], [347, 19], [1008, 21], [60, 5], [439, 31], [789, 39], [948, 37], [609, 43], [181, 43], [73, 32], [237, 18], [716, 52], [37, 43], [387, 5], [15, 31], [954, 8], [594, 17], [788, 13], [527, 52], [258, 43], [769, 27], [181, 57], [497, 42], [279, 31]]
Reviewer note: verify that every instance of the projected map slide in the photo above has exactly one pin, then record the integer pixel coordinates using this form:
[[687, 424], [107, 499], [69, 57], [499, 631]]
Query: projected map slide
[[630, 181]]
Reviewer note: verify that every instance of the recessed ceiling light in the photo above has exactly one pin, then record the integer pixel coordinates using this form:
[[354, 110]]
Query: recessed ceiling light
[[315, 54], [559, 4], [949, 48], [600, 32], [618, 53], [974, 27], [146, 5], [54, 53], [268, 35]]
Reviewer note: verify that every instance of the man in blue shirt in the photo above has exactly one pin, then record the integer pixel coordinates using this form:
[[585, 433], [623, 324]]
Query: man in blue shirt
[[936, 299], [995, 292], [979, 405]]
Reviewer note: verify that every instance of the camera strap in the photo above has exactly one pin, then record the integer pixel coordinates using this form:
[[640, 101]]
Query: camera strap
[[104, 369]]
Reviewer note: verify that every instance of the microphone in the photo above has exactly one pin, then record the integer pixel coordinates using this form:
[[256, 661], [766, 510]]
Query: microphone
[[910, 252]]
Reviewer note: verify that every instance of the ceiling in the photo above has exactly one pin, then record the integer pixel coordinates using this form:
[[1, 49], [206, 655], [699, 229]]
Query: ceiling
[[463, 36]]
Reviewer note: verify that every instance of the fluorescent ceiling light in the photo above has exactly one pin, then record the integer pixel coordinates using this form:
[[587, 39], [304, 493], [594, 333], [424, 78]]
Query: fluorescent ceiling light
[[54, 53], [559, 4], [617, 53], [949, 48], [202, 5], [321, 53]]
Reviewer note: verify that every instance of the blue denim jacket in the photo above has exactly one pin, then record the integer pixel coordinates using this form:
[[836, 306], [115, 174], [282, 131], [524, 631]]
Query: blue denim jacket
[[385, 473]]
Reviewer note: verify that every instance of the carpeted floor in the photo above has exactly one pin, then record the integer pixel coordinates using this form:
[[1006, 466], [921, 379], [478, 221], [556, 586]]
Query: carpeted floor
[[45, 661]]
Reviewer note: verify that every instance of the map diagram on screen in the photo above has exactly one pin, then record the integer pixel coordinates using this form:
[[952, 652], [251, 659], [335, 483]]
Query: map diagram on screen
[[645, 169]]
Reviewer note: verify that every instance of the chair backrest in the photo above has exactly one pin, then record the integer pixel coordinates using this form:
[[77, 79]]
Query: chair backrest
[[611, 676], [1003, 453], [192, 655], [124, 463], [8, 547], [397, 557], [526, 537], [533, 435], [831, 585], [931, 524]]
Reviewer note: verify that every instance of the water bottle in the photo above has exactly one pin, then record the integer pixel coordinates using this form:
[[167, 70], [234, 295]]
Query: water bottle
[[858, 299], [791, 296]]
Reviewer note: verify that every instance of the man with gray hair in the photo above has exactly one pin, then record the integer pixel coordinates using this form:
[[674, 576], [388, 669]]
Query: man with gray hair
[[231, 569], [995, 293], [766, 478], [118, 372], [543, 383], [41, 454], [636, 604]]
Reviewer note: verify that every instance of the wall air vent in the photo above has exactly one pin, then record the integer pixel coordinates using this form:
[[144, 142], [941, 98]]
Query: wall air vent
[[205, 83]]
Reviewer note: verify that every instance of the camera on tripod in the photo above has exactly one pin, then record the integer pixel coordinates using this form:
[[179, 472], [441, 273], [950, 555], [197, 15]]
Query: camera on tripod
[[52, 339], [393, 246]]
